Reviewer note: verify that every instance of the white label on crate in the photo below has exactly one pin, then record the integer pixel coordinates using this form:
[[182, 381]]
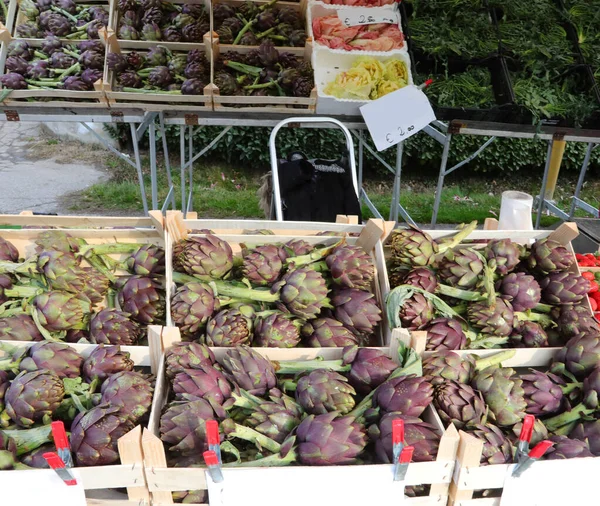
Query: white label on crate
[[40, 486], [369, 15], [302, 486], [553, 483], [397, 116]]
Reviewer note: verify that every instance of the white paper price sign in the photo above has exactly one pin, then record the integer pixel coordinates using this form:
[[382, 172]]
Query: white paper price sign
[[40, 487], [553, 483], [397, 116], [302, 486], [368, 15]]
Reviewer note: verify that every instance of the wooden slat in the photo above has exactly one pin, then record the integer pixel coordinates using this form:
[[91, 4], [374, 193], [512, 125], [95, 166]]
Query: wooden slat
[[75, 221], [370, 235], [446, 452], [154, 457], [524, 357], [469, 455], [565, 233], [130, 453], [119, 476], [490, 224]]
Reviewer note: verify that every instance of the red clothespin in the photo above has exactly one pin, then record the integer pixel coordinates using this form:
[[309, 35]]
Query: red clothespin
[[525, 438], [61, 441], [397, 437], [56, 463], [425, 84], [536, 454], [212, 436], [401, 465], [214, 467]]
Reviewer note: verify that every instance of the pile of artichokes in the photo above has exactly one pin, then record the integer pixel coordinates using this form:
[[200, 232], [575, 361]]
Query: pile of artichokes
[[263, 72], [497, 294], [274, 295], [62, 18], [315, 413], [250, 23], [156, 20], [160, 71], [67, 290], [99, 398], [490, 402], [53, 65]]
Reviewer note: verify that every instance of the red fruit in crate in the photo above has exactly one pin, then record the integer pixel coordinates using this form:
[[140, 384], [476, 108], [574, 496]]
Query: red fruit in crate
[[593, 286], [594, 304]]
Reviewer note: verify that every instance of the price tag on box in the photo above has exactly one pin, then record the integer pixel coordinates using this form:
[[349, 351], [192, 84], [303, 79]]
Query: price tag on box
[[40, 487], [397, 116], [357, 16]]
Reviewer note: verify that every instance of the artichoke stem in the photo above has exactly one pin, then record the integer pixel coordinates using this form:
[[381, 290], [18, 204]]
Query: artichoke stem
[[252, 436], [313, 256], [73, 69], [108, 249], [246, 27], [71, 53], [267, 5], [266, 32], [271, 461], [243, 68], [458, 293], [289, 386], [42, 84], [543, 319], [543, 308], [97, 263], [309, 365], [494, 359], [278, 37], [29, 439], [458, 237], [270, 84], [64, 13], [567, 417], [4, 9], [41, 55]]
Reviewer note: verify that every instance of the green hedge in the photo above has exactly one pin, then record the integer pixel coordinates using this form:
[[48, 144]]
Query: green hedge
[[249, 147]]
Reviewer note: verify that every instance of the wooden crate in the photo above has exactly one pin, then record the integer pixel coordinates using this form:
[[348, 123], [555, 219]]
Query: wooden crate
[[49, 98], [369, 239], [297, 6], [261, 105], [191, 103], [26, 219], [21, 18], [101, 482], [532, 357], [115, 23], [162, 481]]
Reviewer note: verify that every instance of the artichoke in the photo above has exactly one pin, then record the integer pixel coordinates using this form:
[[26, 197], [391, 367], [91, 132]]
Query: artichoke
[[205, 257], [226, 83], [547, 256], [329, 439], [222, 11], [262, 266], [417, 312], [60, 60], [192, 306], [74, 83], [29, 30], [130, 392], [59, 25], [276, 330], [192, 87], [504, 253], [92, 60], [445, 334], [370, 368], [462, 268], [422, 436], [158, 56], [59, 358], [130, 79], [564, 288], [148, 260], [249, 370], [351, 267], [204, 382], [152, 15], [408, 395], [94, 435], [8, 452], [58, 311], [277, 417], [503, 393], [19, 328], [580, 355], [421, 277], [127, 32], [543, 393], [327, 333], [357, 310], [446, 366], [459, 404], [521, 290], [90, 76], [33, 397], [17, 64], [160, 77], [529, 335], [322, 391], [567, 448], [496, 447], [413, 247], [171, 34], [497, 320], [61, 270], [142, 298], [183, 426], [574, 320], [588, 431], [105, 361], [182, 356], [303, 292], [19, 48], [539, 433], [193, 32], [13, 81], [111, 326], [298, 247], [230, 327]]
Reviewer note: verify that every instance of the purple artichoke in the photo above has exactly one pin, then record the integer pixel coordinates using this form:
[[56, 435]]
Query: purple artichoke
[[445, 334]]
